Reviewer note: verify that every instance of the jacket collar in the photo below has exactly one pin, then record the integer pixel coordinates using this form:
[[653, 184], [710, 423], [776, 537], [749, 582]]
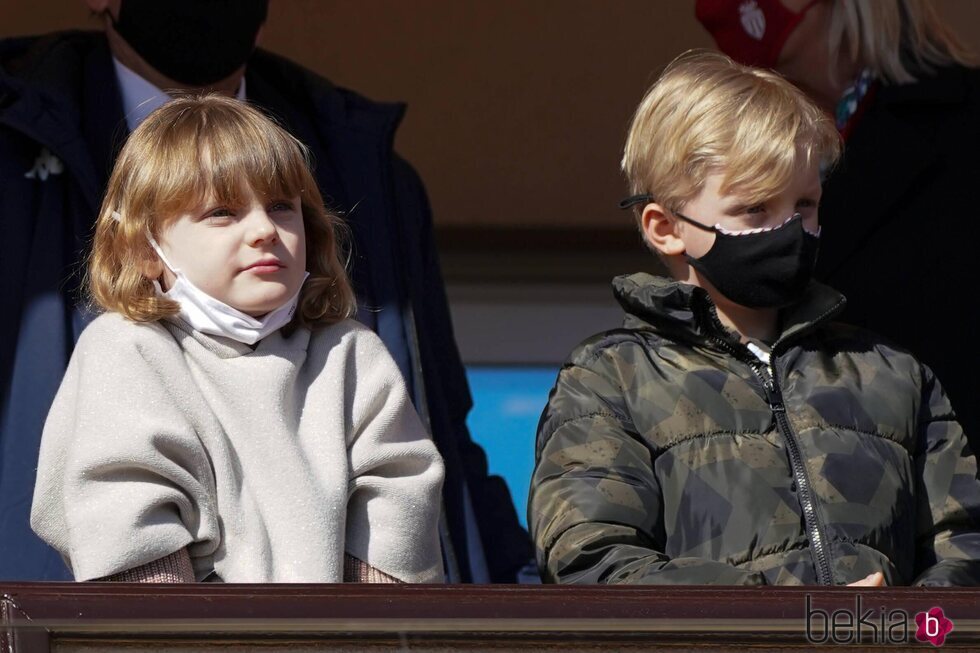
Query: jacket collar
[[297, 93], [944, 86], [680, 310]]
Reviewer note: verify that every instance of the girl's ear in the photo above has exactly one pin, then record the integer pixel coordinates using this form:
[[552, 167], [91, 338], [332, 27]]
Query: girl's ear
[[152, 268], [660, 231]]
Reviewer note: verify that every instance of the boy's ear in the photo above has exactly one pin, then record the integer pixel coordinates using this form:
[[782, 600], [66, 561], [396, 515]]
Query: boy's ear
[[660, 231]]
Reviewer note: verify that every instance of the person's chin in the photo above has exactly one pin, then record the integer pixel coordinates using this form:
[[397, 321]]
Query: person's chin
[[263, 306]]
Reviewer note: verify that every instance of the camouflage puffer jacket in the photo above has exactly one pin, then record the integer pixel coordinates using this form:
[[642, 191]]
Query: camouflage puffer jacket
[[669, 453]]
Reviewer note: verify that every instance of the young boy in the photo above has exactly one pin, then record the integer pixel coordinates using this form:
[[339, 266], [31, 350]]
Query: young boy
[[730, 433]]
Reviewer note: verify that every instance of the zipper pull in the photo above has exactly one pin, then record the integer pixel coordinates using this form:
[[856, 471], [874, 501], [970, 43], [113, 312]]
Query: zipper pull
[[773, 395], [775, 398]]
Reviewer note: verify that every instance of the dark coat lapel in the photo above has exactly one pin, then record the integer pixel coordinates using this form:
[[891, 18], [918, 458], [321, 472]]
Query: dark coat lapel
[[855, 205], [896, 142]]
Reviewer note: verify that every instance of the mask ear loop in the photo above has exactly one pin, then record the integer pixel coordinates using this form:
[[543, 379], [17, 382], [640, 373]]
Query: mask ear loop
[[153, 243], [633, 200], [646, 198], [695, 223]]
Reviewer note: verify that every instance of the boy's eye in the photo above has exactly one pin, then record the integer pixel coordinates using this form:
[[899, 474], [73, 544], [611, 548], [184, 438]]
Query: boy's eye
[[806, 204], [758, 208]]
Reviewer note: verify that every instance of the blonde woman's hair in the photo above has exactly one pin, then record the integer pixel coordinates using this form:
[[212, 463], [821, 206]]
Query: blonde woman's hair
[[196, 147], [707, 114], [898, 40]]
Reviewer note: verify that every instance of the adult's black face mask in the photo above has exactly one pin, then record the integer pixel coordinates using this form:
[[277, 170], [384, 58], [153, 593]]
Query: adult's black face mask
[[194, 42], [765, 269]]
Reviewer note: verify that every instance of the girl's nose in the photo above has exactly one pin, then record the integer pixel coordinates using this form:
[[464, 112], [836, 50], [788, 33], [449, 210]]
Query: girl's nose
[[261, 230]]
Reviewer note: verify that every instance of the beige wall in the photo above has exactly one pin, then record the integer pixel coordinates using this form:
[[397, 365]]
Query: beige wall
[[517, 108]]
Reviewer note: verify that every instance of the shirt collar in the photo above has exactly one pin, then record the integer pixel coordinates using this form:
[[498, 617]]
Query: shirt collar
[[140, 97]]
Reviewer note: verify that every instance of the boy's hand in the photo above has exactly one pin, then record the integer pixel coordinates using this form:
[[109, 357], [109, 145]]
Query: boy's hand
[[876, 579]]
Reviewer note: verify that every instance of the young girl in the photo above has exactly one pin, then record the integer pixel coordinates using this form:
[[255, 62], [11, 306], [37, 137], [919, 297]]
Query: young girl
[[224, 419]]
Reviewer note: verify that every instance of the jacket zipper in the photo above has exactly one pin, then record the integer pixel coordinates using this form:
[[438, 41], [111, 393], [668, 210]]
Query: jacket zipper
[[815, 530]]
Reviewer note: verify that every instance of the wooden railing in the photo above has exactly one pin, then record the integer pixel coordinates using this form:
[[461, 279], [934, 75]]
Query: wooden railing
[[43, 617]]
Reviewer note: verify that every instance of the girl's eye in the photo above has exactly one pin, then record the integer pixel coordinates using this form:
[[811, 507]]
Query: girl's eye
[[806, 204], [219, 216], [758, 208], [281, 205]]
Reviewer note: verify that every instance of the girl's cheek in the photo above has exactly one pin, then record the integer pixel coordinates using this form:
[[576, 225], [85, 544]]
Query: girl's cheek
[[299, 251]]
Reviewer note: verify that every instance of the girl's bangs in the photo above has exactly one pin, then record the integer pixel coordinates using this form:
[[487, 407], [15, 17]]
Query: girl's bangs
[[213, 165]]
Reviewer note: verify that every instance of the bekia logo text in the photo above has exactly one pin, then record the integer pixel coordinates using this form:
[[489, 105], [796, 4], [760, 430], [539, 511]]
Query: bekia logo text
[[868, 625]]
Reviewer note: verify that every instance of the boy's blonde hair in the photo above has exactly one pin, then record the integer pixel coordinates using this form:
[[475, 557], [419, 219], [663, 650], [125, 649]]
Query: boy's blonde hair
[[898, 40], [192, 148], [707, 113]]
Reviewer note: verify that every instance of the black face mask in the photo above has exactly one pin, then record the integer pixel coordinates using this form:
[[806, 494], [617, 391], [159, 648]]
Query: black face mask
[[763, 269], [194, 42]]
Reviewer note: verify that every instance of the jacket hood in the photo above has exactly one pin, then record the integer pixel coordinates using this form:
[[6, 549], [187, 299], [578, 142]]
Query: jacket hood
[[685, 311]]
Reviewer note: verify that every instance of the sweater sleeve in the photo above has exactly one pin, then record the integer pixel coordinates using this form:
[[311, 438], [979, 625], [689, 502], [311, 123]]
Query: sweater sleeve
[[396, 474], [948, 492], [174, 568], [358, 571], [596, 509], [123, 479]]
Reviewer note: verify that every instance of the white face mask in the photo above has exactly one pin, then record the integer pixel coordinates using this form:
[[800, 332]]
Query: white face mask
[[209, 315]]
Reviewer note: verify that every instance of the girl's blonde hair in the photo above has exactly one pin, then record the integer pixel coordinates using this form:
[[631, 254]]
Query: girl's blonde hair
[[201, 146], [707, 113], [897, 39]]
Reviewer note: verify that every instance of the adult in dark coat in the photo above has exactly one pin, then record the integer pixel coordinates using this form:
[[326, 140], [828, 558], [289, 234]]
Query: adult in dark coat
[[61, 126], [899, 212]]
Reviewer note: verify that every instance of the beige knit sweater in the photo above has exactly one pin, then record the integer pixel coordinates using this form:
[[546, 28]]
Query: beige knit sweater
[[267, 465]]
